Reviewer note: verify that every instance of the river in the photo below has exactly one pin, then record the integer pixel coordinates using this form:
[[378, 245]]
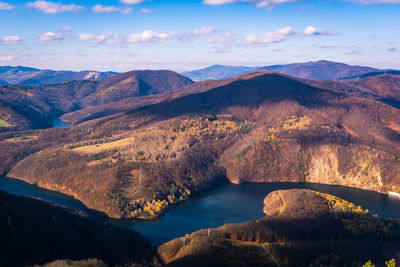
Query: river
[[226, 204]]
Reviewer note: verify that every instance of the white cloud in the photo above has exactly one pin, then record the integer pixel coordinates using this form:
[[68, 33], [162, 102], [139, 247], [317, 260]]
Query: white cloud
[[310, 30], [6, 6], [393, 49], [146, 11], [102, 38], [67, 29], [196, 33], [270, 4], [132, 2], [149, 36], [203, 30], [279, 35], [267, 4], [7, 58], [218, 2], [352, 52], [225, 38], [93, 38], [113, 40], [111, 9], [375, 2], [218, 50], [51, 36], [54, 8], [11, 39], [324, 46]]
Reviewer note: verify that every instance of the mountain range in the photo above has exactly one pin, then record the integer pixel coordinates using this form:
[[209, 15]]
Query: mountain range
[[201, 134], [318, 70], [143, 141], [32, 76]]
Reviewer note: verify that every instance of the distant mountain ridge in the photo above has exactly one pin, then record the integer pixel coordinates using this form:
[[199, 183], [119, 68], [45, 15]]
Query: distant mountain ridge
[[371, 74], [217, 72], [314, 70], [32, 76]]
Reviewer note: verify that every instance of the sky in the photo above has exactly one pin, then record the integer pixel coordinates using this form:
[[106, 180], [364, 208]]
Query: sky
[[123, 35]]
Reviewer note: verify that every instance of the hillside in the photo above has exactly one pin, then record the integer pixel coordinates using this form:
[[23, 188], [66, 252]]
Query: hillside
[[301, 228], [259, 127], [318, 70], [53, 100], [135, 84], [18, 112], [129, 103], [386, 87], [371, 74], [36, 232], [32, 76]]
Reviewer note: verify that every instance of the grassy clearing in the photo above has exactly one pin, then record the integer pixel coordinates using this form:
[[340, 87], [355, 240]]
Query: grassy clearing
[[294, 122], [22, 138], [102, 147], [3, 123]]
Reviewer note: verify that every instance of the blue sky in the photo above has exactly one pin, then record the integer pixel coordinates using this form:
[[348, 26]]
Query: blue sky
[[122, 35]]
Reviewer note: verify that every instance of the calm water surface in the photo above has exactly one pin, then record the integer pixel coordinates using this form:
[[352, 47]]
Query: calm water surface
[[225, 204], [57, 123]]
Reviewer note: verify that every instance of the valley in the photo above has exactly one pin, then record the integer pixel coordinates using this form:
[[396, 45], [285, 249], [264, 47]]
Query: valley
[[257, 127], [140, 147], [248, 133]]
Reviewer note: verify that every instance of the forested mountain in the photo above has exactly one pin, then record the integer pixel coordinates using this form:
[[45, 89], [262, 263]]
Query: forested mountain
[[32, 76]]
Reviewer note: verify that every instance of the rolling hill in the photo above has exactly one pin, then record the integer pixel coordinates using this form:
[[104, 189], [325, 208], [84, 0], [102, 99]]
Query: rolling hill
[[384, 86], [370, 74]]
